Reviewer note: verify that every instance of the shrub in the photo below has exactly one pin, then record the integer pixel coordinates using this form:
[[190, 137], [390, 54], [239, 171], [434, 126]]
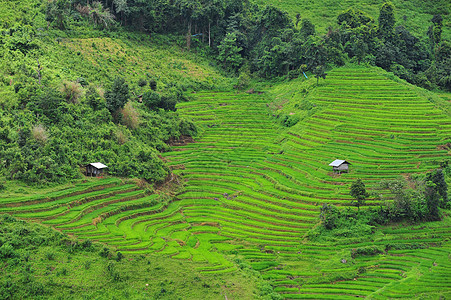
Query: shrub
[[71, 91], [94, 98], [40, 134], [187, 128], [87, 265], [142, 82], [86, 244], [112, 272], [62, 272], [118, 95], [130, 116], [244, 79], [412, 246], [36, 289], [290, 120], [121, 137], [151, 100], [367, 251], [105, 252], [329, 216], [119, 256], [7, 251], [50, 256], [82, 81], [153, 84]]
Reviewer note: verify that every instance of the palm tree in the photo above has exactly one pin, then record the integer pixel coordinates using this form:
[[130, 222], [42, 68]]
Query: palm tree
[[100, 16]]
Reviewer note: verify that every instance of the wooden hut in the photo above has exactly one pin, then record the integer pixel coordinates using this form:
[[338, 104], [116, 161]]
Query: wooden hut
[[340, 166], [95, 169]]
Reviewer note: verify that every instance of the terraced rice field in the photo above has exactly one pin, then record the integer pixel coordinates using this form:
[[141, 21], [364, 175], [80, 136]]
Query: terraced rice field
[[253, 190]]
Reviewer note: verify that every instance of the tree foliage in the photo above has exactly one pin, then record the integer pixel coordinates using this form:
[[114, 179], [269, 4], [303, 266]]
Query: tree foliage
[[438, 183], [229, 53], [118, 95], [359, 193], [265, 38], [386, 20]]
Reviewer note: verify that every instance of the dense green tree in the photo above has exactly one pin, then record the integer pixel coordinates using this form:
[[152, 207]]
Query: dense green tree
[[432, 200], [151, 99], [117, 96], [329, 215], [314, 53], [435, 31], [413, 54], [298, 19], [307, 28], [122, 8], [189, 11], [47, 103], [438, 178], [96, 13], [333, 44], [359, 193], [93, 98], [169, 100], [100, 16], [319, 72], [360, 49], [386, 20], [273, 19], [57, 13], [213, 11], [229, 53], [275, 61], [385, 55], [353, 18]]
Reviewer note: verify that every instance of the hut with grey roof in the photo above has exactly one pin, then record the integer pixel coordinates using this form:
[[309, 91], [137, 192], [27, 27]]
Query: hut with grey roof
[[95, 169], [340, 166]]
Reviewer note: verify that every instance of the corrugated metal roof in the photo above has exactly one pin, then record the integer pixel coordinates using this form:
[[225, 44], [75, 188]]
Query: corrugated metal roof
[[338, 162], [98, 165]]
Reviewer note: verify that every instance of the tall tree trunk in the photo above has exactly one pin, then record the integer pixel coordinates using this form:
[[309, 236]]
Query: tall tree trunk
[[188, 36], [209, 35]]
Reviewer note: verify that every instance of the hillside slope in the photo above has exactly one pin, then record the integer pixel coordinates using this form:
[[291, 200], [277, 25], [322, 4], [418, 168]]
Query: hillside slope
[[382, 127], [253, 189], [40, 263], [60, 105], [414, 15]]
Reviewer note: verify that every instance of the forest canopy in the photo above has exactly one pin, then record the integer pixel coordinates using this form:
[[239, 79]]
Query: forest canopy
[[240, 33]]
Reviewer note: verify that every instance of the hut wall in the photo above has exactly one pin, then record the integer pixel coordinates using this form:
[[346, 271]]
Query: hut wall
[[343, 167]]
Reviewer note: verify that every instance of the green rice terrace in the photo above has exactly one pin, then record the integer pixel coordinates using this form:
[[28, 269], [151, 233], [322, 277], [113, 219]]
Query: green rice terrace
[[252, 190]]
